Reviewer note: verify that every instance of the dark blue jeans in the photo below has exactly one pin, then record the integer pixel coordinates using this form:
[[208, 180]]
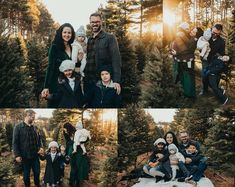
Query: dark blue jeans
[[27, 164], [214, 80]]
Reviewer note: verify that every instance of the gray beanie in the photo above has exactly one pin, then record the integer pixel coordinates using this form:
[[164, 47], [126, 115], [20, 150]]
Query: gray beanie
[[81, 31], [159, 140], [207, 34], [172, 147], [66, 64]]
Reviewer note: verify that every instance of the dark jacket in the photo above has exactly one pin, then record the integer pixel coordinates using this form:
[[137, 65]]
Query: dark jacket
[[53, 172], [20, 142], [216, 66], [196, 157], [55, 57], [66, 97], [101, 96], [182, 147], [106, 53], [153, 157], [217, 48]]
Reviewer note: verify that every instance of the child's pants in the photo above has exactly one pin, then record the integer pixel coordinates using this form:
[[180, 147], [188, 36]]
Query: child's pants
[[153, 171]]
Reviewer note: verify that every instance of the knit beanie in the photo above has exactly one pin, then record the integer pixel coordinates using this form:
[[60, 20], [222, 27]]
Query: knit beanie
[[66, 64], [81, 31], [207, 34], [79, 125], [172, 147], [159, 140], [53, 144], [184, 26]]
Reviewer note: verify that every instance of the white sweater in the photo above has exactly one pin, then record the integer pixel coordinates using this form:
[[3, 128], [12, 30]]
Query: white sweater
[[204, 46], [81, 135]]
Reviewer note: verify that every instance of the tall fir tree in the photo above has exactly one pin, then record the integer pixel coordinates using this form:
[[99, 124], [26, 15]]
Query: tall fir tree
[[37, 62], [3, 139], [133, 138], [220, 141], [15, 83], [158, 88]]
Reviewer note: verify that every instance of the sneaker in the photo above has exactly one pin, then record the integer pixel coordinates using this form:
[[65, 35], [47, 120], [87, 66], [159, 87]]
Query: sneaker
[[225, 101], [203, 93]]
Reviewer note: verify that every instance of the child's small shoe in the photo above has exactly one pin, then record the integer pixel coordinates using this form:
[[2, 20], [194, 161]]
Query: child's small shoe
[[194, 183], [188, 178]]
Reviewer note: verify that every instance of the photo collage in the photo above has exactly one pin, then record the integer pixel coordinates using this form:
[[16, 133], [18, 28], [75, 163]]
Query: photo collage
[[117, 93]]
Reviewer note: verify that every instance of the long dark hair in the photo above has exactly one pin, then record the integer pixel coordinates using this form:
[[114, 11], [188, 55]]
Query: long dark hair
[[199, 32], [70, 129], [58, 40], [175, 141]]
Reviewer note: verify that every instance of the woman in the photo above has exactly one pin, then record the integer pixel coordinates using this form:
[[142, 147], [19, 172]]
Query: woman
[[170, 138], [60, 50], [183, 48], [79, 162], [69, 131]]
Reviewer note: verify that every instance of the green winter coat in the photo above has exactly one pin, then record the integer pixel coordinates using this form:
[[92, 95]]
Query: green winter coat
[[55, 57]]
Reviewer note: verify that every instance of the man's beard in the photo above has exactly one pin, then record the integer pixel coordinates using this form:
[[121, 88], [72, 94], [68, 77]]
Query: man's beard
[[96, 29]]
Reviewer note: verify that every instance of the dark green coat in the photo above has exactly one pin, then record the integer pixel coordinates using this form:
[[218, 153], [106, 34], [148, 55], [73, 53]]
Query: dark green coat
[[55, 57]]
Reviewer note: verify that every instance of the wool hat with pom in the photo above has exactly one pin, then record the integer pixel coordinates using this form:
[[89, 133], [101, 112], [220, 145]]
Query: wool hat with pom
[[159, 140], [81, 31], [66, 64], [53, 144]]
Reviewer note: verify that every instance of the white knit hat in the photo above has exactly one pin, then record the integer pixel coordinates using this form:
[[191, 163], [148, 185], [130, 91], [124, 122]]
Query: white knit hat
[[66, 64], [81, 31], [159, 140], [53, 144], [184, 26], [207, 34], [172, 147]]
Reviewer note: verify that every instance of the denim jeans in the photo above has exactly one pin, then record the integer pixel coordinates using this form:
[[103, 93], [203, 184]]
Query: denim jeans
[[27, 164]]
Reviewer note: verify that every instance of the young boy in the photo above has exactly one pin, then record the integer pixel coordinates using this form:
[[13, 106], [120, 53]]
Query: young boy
[[158, 163], [103, 94], [80, 137], [192, 159]]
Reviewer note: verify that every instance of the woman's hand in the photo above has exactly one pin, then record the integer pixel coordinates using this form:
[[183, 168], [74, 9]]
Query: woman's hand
[[80, 56]]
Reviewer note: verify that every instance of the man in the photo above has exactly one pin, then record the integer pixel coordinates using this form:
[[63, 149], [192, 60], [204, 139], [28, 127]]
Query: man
[[102, 49], [26, 146], [217, 46], [185, 141]]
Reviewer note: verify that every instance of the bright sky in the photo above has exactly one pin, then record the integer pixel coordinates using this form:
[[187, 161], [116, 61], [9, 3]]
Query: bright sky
[[43, 112], [163, 115], [76, 12]]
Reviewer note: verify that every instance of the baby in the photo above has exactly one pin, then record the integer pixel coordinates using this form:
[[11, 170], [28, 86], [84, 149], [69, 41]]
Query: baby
[[81, 136], [203, 44], [175, 157], [79, 49]]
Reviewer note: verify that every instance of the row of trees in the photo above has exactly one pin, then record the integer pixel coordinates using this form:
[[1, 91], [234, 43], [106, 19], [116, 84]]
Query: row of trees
[[26, 32], [213, 128]]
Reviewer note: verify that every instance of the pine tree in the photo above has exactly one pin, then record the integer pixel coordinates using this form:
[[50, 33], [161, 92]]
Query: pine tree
[[140, 57], [9, 134], [158, 86], [14, 80], [3, 139], [133, 138], [220, 141], [37, 61]]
